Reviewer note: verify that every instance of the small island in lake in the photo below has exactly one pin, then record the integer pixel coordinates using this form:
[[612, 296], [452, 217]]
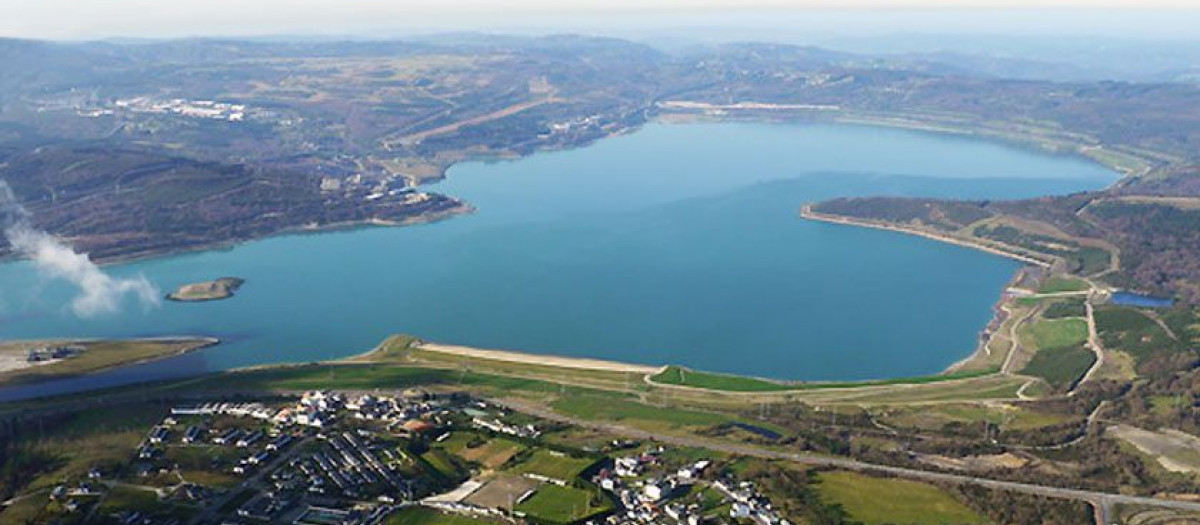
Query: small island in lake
[[222, 288]]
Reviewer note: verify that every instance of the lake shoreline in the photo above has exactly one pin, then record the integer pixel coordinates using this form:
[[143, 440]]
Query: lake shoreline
[[806, 212], [999, 313], [193, 344], [393, 268], [426, 218]]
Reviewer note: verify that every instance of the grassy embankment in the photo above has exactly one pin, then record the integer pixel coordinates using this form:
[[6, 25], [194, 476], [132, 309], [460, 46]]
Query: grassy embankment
[[720, 390], [680, 376], [96, 356]]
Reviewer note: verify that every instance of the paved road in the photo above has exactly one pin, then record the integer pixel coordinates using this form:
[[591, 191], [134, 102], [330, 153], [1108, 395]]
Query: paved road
[[1100, 499]]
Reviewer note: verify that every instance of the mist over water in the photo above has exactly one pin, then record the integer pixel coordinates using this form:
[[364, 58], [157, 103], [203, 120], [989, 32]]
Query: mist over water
[[98, 293]]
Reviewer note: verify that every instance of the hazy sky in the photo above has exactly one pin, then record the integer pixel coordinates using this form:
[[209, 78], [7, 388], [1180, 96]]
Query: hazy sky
[[84, 19]]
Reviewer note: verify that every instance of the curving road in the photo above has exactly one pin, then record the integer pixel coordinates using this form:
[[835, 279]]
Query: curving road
[[1102, 501]]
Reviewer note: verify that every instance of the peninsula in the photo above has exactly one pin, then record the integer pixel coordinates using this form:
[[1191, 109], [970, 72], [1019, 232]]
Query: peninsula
[[37, 361]]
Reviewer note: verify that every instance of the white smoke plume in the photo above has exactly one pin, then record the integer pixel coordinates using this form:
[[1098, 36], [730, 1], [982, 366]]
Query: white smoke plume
[[98, 293]]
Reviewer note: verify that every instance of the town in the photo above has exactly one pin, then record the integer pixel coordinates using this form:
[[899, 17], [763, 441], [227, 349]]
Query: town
[[341, 458]]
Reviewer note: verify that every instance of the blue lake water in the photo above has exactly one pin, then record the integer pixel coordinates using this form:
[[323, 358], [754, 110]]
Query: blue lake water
[[675, 244], [1139, 300]]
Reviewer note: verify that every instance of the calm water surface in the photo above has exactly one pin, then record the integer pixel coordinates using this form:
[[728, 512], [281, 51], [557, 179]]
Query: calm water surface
[[675, 244]]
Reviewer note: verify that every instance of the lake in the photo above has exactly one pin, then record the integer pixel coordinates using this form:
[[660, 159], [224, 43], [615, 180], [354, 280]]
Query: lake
[[675, 244]]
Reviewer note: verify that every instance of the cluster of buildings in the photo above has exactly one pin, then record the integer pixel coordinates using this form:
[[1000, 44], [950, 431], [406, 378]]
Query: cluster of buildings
[[646, 498], [575, 124], [302, 459], [348, 465], [320, 409], [331, 458], [393, 187], [50, 353], [500, 427], [205, 109], [748, 502], [650, 494]]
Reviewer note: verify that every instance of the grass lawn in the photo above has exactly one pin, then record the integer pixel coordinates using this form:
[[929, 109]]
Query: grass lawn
[[555, 465], [1052, 333], [428, 516], [878, 501], [556, 504]]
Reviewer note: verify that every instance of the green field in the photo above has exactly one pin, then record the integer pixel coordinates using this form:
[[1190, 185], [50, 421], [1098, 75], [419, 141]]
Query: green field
[[931, 417], [1061, 308], [353, 375], [614, 408], [444, 464], [555, 504], [1127, 329], [494, 453], [428, 516], [1063, 284], [880, 501], [1060, 366], [1185, 322], [676, 375], [1088, 260], [458, 440], [1054, 333], [554, 465]]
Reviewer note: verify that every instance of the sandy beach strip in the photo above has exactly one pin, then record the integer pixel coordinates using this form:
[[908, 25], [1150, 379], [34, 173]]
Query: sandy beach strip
[[539, 359]]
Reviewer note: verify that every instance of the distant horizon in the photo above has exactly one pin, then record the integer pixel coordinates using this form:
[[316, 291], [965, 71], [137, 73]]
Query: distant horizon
[[765, 20]]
